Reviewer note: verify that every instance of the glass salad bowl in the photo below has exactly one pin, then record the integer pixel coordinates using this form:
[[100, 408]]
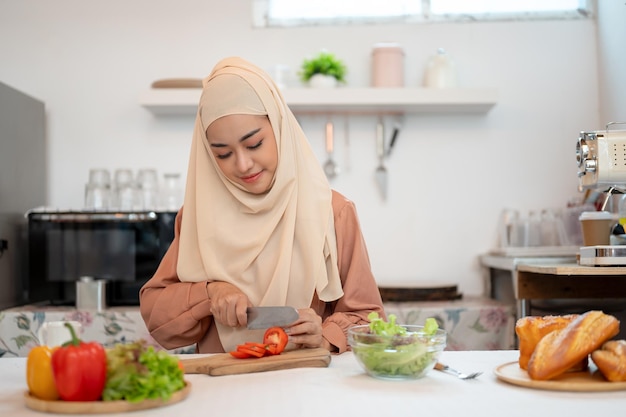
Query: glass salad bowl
[[408, 355]]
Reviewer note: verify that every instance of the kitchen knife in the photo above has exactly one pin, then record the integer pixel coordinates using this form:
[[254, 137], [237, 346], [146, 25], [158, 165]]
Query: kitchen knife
[[266, 317]]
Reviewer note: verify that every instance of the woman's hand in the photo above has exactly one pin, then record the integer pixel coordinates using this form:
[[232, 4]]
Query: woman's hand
[[307, 330], [228, 303]]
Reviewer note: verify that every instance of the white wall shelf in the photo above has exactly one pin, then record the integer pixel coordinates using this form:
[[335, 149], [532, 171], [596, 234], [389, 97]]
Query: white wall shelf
[[184, 101]]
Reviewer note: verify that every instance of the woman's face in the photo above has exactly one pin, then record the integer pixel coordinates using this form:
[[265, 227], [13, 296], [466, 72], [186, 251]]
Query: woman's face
[[245, 149]]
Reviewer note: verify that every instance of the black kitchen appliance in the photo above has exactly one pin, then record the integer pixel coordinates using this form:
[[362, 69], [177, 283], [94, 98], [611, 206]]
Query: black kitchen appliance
[[125, 248], [23, 179]]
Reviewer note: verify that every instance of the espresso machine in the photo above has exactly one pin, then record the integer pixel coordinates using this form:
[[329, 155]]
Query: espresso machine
[[601, 157]]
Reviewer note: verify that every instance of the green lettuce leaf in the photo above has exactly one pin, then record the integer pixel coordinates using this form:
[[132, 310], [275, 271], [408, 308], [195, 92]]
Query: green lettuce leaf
[[136, 372]]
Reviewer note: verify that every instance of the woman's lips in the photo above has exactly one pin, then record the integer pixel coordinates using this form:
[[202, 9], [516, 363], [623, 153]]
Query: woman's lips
[[251, 178]]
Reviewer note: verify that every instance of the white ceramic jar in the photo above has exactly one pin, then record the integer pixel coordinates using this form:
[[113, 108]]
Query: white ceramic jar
[[440, 71]]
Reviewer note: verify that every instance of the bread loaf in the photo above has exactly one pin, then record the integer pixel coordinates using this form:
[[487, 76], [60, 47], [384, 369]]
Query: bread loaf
[[531, 329], [559, 350], [611, 360]]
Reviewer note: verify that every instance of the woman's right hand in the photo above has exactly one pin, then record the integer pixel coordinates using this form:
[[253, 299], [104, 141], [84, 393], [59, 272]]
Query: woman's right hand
[[228, 304]]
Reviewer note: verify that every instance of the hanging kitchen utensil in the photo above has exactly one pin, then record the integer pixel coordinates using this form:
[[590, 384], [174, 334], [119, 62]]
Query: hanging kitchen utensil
[[381, 171], [346, 136], [330, 167], [394, 136]]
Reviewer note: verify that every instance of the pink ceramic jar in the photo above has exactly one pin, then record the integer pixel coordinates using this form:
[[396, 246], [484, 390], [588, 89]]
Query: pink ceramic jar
[[387, 65]]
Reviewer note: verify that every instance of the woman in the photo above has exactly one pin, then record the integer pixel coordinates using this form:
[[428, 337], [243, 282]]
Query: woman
[[259, 226]]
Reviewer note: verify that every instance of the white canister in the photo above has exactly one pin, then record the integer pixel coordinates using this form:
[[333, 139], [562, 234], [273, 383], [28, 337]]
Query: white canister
[[440, 71], [387, 65], [90, 294]]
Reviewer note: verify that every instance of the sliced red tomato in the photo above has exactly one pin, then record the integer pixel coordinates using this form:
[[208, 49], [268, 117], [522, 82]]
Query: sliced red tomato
[[254, 345], [276, 336], [251, 350], [239, 355], [274, 341], [272, 349]]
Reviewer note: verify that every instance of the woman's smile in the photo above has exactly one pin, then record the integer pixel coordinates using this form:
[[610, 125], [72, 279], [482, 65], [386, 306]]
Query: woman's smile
[[252, 178]]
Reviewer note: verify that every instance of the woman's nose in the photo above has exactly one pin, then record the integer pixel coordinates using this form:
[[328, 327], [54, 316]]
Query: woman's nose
[[244, 162]]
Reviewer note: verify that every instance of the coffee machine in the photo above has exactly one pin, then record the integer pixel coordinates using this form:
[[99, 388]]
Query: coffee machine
[[601, 158]]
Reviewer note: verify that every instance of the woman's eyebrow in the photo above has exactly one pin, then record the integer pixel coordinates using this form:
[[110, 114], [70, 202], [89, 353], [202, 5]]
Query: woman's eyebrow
[[247, 135], [244, 137]]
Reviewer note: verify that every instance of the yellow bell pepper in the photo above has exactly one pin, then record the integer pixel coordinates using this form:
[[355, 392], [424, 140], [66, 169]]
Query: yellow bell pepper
[[39, 376]]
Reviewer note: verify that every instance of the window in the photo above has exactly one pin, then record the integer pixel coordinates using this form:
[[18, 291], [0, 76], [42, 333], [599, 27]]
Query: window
[[280, 13]]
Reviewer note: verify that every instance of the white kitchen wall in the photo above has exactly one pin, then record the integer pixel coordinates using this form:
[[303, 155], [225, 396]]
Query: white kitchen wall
[[449, 175], [612, 61]]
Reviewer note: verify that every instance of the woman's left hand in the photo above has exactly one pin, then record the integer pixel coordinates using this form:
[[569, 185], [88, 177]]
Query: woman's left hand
[[307, 330]]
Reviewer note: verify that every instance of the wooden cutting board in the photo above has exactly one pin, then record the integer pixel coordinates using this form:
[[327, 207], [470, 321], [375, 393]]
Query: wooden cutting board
[[225, 364]]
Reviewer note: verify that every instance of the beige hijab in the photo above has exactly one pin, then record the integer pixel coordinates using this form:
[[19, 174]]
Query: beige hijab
[[279, 247]]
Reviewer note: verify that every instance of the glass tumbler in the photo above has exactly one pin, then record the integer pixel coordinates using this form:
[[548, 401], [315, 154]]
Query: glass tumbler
[[100, 176], [509, 221], [148, 184], [125, 190], [98, 190], [171, 193]]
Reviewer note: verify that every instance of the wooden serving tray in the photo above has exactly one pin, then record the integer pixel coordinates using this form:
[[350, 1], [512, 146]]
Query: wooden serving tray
[[584, 381], [100, 407], [178, 83], [225, 364]]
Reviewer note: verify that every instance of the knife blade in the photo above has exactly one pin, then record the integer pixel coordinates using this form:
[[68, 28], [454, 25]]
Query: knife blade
[[266, 317]]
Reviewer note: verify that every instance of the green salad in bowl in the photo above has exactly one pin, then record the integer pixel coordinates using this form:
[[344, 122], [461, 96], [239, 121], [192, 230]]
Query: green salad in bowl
[[396, 351]]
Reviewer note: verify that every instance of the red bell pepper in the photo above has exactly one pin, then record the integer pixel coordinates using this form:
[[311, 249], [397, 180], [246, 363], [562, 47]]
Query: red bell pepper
[[80, 369]]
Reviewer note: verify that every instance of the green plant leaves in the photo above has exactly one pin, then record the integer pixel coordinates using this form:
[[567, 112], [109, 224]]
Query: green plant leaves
[[324, 63]]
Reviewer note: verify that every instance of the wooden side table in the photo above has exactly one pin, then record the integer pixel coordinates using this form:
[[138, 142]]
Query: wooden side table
[[500, 275], [556, 281]]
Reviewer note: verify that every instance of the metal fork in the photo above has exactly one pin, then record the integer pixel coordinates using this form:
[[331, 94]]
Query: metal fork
[[445, 368]]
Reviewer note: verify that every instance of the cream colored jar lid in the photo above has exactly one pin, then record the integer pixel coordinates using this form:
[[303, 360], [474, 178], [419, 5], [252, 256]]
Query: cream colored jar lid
[[387, 47]]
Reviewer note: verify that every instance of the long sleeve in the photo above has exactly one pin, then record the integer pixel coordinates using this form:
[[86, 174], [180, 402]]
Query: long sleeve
[[178, 313], [361, 293]]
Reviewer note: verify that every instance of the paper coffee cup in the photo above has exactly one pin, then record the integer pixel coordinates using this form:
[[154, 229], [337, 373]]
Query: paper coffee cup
[[596, 227]]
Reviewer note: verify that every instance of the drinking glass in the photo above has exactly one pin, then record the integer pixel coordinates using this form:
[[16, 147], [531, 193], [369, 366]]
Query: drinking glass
[[148, 183], [171, 193], [100, 176], [549, 228], [123, 176], [98, 190], [532, 235], [125, 190], [509, 219]]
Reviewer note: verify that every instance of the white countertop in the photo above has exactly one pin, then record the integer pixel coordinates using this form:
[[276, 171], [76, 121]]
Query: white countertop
[[510, 263], [344, 389]]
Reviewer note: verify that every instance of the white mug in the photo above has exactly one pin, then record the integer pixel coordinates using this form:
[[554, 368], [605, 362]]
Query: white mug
[[55, 333]]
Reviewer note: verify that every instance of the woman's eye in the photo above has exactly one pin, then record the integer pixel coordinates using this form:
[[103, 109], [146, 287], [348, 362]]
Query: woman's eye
[[223, 156], [256, 145]]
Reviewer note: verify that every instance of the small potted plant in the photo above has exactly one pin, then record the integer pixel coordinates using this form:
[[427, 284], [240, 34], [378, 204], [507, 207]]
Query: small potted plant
[[323, 70]]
